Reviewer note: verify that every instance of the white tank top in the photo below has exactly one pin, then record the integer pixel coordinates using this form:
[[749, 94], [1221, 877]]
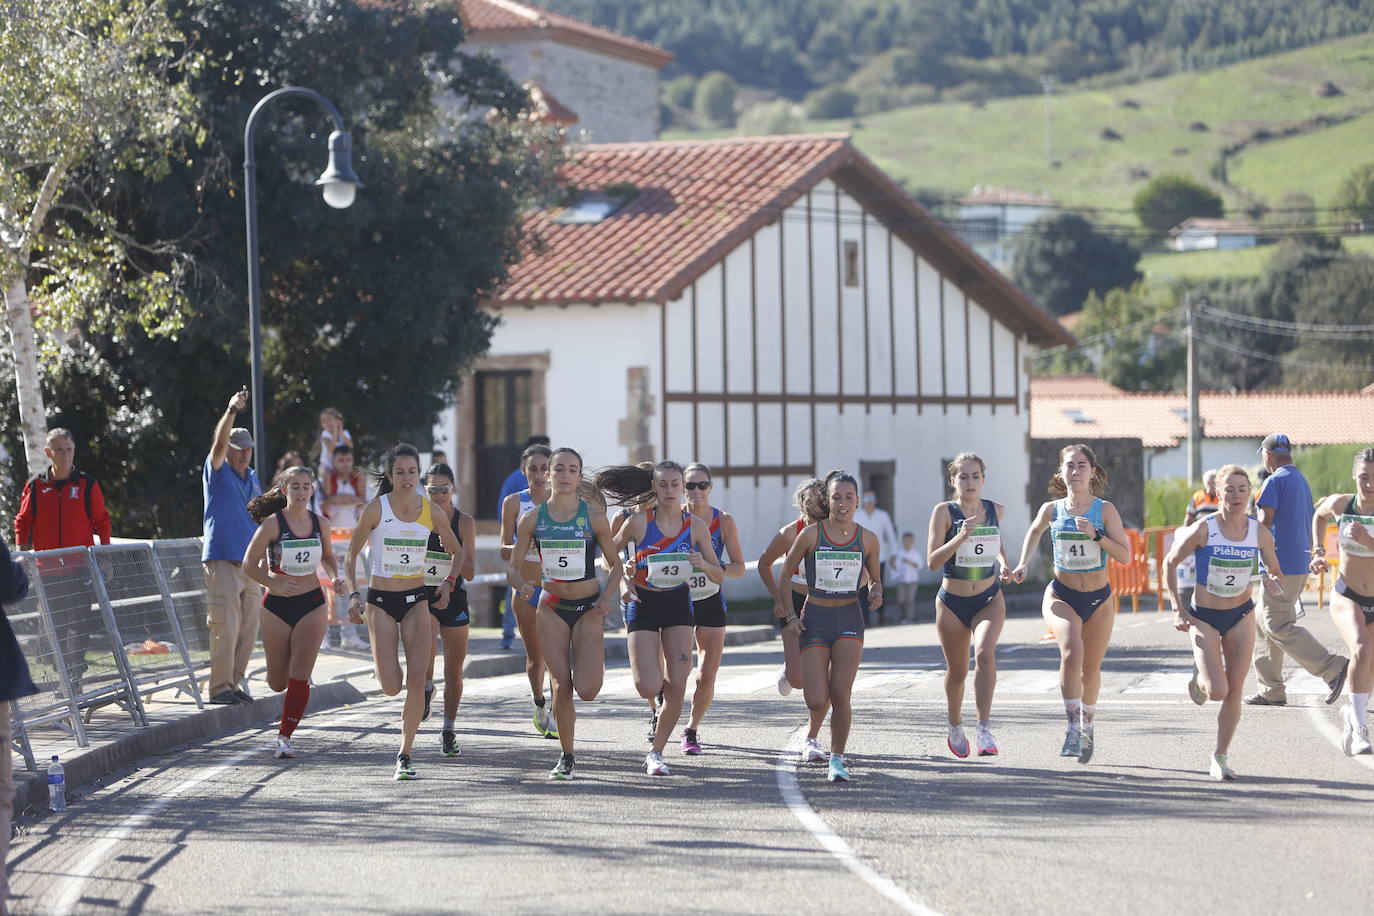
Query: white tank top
[[398, 548], [526, 504]]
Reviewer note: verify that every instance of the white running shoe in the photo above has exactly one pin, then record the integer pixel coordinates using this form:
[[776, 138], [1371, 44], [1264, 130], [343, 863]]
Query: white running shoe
[[654, 765], [1085, 746], [987, 747], [541, 716], [784, 685], [812, 751], [957, 742], [1354, 738], [1073, 742], [284, 748], [1219, 770]]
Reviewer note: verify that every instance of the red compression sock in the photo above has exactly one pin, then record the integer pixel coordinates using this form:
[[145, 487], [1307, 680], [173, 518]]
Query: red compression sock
[[293, 707]]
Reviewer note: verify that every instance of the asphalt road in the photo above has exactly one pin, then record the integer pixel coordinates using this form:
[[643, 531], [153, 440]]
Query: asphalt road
[[223, 828]]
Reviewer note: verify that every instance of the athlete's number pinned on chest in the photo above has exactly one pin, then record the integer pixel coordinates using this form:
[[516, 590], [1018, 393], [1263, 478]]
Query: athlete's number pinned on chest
[[300, 557], [1074, 550], [563, 561], [403, 557], [668, 570], [838, 570]]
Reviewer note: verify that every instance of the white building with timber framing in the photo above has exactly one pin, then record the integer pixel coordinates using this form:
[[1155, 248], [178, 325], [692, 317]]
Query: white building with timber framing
[[773, 307]]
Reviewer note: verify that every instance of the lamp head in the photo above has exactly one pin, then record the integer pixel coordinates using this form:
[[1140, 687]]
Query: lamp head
[[339, 182]]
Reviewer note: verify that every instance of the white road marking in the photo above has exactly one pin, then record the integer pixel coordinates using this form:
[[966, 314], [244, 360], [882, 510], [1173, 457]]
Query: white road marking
[[796, 802], [1333, 734]]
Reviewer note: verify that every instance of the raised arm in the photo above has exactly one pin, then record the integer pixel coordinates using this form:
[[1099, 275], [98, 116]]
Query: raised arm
[[938, 550], [1114, 539], [219, 448]]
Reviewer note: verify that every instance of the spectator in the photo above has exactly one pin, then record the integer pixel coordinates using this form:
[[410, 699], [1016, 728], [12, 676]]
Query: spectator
[[232, 599], [515, 482], [880, 523], [1285, 507], [1204, 501], [906, 572], [62, 507], [332, 434], [438, 456], [14, 683], [291, 459], [342, 496]]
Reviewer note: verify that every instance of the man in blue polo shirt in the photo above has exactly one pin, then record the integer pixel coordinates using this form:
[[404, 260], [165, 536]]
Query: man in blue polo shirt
[[1285, 508], [232, 599]]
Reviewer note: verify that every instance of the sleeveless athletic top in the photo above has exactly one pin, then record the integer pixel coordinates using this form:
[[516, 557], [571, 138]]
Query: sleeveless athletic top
[[702, 587], [1074, 551], [291, 555], [832, 570], [567, 550], [1225, 567], [526, 504], [976, 558], [437, 560], [398, 548], [1349, 546], [661, 562], [799, 574]]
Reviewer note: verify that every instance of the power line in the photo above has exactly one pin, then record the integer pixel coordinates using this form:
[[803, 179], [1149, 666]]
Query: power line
[[1166, 316], [1285, 328], [1282, 360]]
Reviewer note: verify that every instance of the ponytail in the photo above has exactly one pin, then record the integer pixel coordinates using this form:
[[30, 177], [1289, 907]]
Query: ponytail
[[628, 484], [1097, 482]]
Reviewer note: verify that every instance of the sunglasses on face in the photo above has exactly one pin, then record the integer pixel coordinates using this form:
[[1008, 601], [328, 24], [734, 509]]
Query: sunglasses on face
[[698, 485], [443, 489]]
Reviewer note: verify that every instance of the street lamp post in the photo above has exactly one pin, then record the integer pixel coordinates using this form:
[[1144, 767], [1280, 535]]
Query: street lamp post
[[339, 185]]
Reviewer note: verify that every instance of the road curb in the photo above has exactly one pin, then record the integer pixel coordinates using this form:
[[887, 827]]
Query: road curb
[[31, 788]]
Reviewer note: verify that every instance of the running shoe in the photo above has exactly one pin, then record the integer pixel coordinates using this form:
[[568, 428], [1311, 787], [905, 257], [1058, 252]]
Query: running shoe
[[690, 745], [987, 747], [1219, 770], [449, 741], [1073, 743], [654, 765], [837, 771], [246, 697], [542, 715], [957, 742], [1354, 738], [1085, 746], [812, 751], [564, 769], [1195, 691], [284, 748], [429, 696], [784, 685], [404, 770]]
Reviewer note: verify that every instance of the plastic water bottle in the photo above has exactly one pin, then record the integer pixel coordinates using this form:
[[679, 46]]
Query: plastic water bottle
[[57, 786]]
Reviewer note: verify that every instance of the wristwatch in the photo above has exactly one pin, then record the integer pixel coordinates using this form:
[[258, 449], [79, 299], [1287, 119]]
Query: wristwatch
[[1098, 536]]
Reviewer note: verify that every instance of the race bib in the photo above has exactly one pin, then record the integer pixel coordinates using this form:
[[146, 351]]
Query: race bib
[[838, 571], [1349, 544], [437, 565], [300, 556], [1074, 550], [701, 586], [562, 561], [1229, 578], [403, 558], [979, 549], [668, 570]]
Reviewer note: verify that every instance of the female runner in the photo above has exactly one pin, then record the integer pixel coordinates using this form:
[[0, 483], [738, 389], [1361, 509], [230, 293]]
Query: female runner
[[450, 623], [534, 462], [1352, 608], [567, 529], [836, 551], [1084, 530], [809, 498], [965, 537], [1226, 546], [708, 604], [284, 562], [672, 544], [627, 552], [398, 523]]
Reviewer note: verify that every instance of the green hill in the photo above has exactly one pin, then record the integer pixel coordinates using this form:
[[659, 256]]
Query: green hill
[[1182, 123]]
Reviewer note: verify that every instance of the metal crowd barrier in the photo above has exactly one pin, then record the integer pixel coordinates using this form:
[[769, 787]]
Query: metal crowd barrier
[[107, 625]]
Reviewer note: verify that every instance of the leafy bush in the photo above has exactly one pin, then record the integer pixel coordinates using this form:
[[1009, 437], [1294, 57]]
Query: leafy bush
[[1327, 467], [1355, 199], [1166, 501], [830, 103], [681, 92], [776, 117], [714, 101], [1170, 199]]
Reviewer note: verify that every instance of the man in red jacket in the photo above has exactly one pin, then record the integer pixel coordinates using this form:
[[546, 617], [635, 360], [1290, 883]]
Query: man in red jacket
[[62, 507]]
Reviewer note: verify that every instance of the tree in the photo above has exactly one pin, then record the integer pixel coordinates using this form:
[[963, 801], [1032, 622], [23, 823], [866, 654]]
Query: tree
[[715, 99], [89, 88], [681, 92], [831, 102], [1063, 258], [1123, 345], [1355, 198], [1327, 360], [375, 309], [770, 118], [1170, 199]]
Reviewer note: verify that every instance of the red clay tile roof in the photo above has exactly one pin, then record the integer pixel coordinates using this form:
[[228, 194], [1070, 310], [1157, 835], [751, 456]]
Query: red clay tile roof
[[507, 20], [1050, 386], [698, 200], [982, 194], [1159, 420], [1217, 226]]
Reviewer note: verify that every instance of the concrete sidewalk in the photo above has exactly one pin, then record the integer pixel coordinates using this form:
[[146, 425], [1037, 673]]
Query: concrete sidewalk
[[342, 677]]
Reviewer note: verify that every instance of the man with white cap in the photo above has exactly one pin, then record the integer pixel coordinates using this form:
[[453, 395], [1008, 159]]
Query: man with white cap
[[1285, 508], [232, 599]]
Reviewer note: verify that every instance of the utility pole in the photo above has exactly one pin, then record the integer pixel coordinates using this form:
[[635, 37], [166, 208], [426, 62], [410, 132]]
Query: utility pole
[[1047, 82], [1194, 419]]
